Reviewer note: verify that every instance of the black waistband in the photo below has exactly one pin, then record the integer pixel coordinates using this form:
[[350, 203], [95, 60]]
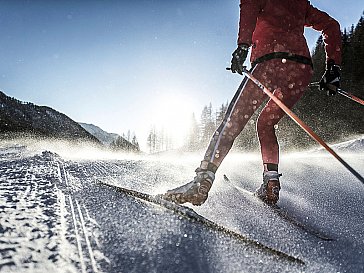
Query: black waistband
[[284, 55]]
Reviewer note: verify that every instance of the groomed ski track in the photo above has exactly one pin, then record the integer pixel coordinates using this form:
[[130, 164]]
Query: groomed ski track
[[190, 214], [54, 217]]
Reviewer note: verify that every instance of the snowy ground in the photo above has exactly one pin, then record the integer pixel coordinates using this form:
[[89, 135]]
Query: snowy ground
[[55, 218]]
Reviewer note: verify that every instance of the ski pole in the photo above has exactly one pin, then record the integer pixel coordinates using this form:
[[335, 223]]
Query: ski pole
[[296, 119], [341, 92]]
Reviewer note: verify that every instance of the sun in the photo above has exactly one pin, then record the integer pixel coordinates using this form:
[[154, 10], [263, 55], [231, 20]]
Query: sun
[[172, 115]]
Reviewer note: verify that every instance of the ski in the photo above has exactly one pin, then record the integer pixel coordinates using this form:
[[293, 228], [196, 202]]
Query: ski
[[282, 213], [191, 215]]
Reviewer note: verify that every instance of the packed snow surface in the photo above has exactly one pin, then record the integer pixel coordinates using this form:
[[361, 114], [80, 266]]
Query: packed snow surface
[[56, 218]]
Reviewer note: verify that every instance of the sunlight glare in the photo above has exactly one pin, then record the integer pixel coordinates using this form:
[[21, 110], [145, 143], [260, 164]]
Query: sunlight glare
[[172, 115]]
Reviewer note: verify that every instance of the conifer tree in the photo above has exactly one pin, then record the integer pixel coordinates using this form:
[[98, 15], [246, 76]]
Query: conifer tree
[[207, 124], [193, 135]]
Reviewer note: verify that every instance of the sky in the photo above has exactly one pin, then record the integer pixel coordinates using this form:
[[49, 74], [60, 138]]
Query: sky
[[128, 65]]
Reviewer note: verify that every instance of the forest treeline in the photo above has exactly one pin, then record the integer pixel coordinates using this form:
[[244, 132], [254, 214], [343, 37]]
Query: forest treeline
[[333, 118]]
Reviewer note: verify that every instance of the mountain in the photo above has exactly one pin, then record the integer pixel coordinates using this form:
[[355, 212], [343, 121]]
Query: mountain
[[19, 118], [111, 140], [105, 137]]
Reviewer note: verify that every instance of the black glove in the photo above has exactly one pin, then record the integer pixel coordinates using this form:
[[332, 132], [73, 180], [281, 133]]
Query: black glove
[[331, 77], [239, 57]]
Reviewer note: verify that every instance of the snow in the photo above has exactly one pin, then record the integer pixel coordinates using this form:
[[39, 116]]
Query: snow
[[56, 218], [350, 146], [356, 145]]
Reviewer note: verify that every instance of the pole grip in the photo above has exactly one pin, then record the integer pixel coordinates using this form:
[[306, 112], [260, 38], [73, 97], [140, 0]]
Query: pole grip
[[343, 93]]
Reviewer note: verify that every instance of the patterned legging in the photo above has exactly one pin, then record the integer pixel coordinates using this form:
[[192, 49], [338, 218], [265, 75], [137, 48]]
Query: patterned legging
[[287, 80]]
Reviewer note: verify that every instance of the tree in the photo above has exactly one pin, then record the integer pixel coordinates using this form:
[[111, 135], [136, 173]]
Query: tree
[[193, 135], [151, 140], [220, 114], [207, 124], [332, 118], [135, 142]]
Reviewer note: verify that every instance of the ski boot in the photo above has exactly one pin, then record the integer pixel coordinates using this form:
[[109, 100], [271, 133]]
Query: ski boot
[[268, 192], [196, 191]]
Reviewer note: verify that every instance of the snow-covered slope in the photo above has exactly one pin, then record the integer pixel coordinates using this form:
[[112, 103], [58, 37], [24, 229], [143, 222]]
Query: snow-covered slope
[[56, 218], [355, 145], [105, 137]]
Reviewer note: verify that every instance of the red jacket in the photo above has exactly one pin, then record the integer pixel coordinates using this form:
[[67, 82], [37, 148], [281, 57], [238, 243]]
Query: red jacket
[[278, 25]]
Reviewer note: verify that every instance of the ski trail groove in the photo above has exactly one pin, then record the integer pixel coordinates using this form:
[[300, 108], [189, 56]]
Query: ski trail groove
[[78, 239], [86, 253], [93, 262]]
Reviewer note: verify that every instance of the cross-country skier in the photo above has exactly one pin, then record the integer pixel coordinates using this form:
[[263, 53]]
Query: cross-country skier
[[281, 60]]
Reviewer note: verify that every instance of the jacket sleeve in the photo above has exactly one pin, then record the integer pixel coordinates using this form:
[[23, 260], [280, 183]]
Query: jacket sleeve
[[330, 29], [249, 10]]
